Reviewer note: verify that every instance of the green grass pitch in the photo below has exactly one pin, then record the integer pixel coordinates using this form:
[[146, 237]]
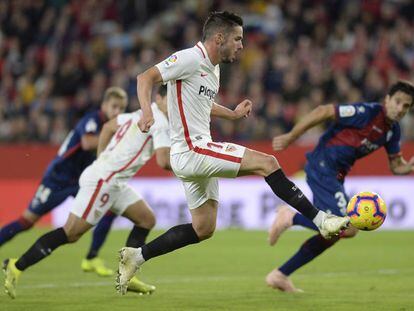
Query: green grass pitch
[[374, 271]]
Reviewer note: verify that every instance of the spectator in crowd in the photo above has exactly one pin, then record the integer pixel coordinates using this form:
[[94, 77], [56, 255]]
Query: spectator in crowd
[[57, 57]]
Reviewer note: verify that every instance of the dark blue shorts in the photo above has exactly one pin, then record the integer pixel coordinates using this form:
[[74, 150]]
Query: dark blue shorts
[[50, 194], [328, 192]]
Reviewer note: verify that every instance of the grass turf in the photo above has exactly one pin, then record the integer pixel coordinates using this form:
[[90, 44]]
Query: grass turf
[[373, 271]]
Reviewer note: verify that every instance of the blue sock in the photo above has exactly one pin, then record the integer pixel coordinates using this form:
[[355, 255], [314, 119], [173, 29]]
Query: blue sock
[[13, 228], [301, 220], [100, 233], [312, 248]]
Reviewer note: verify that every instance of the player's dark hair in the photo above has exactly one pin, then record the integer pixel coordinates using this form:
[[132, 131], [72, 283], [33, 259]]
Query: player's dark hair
[[403, 86], [162, 90], [220, 21]]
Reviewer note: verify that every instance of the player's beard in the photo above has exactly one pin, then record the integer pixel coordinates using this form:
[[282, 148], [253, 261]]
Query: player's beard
[[226, 55]]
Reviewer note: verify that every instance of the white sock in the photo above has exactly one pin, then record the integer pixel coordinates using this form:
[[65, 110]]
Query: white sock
[[319, 218], [138, 256]]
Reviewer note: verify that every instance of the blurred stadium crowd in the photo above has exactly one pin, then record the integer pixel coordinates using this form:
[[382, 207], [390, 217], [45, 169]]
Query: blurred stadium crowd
[[57, 58]]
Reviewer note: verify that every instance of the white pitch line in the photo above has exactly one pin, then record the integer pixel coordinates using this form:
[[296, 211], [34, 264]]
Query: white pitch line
[[178, 279]]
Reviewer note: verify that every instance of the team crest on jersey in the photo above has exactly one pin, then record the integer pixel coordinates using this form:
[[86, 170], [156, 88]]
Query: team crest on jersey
[[170, 60], [91, 126], [389, 135], [231, 148], [346, 111], [361, 109]]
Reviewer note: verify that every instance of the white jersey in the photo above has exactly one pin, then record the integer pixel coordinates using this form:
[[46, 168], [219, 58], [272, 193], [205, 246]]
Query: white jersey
[[129, 148], [193, 82]]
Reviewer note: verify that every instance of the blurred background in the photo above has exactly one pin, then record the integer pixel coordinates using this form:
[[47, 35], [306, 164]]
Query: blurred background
[[58, 57]]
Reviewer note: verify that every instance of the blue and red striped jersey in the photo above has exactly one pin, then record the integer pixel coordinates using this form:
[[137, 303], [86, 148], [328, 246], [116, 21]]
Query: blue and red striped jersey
[[358, 130]]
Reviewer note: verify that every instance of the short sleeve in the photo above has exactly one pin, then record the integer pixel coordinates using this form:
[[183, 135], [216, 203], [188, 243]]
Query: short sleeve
[[356, 115], [179, 65], [392, 145]]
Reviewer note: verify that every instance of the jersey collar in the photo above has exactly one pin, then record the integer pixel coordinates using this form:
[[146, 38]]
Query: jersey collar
[[203, 50]]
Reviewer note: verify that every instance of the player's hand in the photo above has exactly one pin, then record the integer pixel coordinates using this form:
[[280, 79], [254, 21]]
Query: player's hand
[[145, 123], [243, 109], [282, 141]]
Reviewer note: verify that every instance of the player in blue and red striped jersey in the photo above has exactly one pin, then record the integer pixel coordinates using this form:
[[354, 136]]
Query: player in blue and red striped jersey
[[358, 130], [60, 180]]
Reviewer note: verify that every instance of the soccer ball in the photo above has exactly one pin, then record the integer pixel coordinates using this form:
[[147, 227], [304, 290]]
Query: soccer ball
[[366, 211]]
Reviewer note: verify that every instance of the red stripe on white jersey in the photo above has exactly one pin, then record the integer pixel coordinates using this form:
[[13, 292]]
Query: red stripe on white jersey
[[204, 55], [218, 155], [130, 161], [93, 198], [183, 120]]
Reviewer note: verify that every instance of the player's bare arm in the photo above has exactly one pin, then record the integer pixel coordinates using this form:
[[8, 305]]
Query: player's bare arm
[[89, 141], [399, 166], [145, 83], [242, 110], [317, 116], [162, 155], [108, 130]]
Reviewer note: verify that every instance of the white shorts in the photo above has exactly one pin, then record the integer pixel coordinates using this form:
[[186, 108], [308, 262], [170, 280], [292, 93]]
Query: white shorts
[[96, 196], [199, 168]]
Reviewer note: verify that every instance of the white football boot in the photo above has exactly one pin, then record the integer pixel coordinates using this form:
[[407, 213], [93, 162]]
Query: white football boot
[[331, 225], [130, 259]]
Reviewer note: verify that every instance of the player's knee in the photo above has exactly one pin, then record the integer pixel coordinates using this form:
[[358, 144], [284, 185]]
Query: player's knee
[[204, 232], [270, 164], [73, 236], [29, 218], [149, 221], [205, 235]]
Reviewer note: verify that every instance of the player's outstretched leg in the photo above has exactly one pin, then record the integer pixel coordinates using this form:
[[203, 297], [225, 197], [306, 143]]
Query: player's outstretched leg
[[329, 225], [258, 163], [92, 263]]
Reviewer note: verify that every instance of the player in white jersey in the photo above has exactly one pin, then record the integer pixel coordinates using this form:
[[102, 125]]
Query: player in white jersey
[[103, 187], [193, 81]]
